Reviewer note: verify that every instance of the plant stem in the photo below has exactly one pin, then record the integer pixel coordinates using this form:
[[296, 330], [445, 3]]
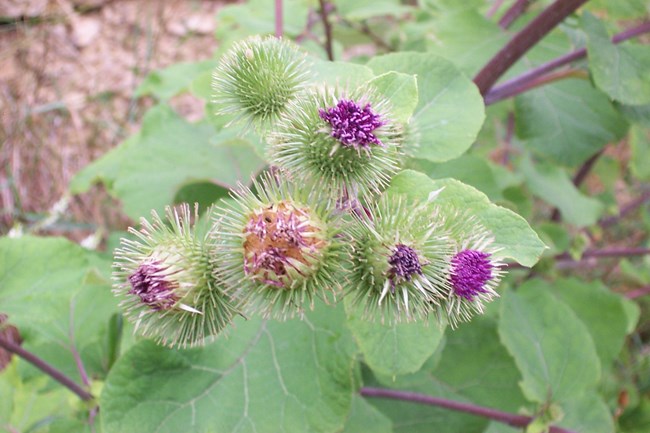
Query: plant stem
[[505, 90], [46, 368], [523, 41], [579, 177], [485, 412], [515, 11], [637, 293], [279, 26], [324, 13], [494, 8], [625, 210], [612, 252]]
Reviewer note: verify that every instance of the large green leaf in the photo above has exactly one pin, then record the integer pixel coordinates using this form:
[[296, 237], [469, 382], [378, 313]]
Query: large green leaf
[[552, 184], [168, 82], [54, 293], [266, 376], [478, 366], [365, 418], [587, 414], [402, 92], [147, 170], [394, 349], [511, 232], [450, 110], [338, 73], [640, 144], [552, 348], [568, 120], [621, 71], [601, 310]]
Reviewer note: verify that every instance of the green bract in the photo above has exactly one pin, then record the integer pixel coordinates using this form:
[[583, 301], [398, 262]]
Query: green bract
[[256, 79], [347, 156], [399, 260], [277, 249], [166, 278]]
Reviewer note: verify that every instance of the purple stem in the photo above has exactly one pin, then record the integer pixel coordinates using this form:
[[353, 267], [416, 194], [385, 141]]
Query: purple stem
[[324, 13], [633, 294], [279, 26], [494, 8], [626, 209], [515, 11], [514, 86], [46, 368], [523, 41], [472, 409]]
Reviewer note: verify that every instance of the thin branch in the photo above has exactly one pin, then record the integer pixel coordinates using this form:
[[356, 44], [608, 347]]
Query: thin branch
[[612, 252], [523, 41], [312, 19], [46, 368], [472, 409], [279, 26], [515, 11], [580, 177], [503, 91], [364, 29], [494, 8], [324, 13], [626, 209], [638, 293]]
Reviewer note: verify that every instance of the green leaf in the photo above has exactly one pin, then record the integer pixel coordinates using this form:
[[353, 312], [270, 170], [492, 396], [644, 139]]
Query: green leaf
[[450, 110], [621, 71], [365, 9], [148, 169], [552, 184], [640, 144], [266, 376], [511, 232], [402, 92], [339, 73], [394, 349], [601, 310], [365, 418], [568, 120], [51, 291], [475, 363], [169, 82], [469, 169], [589, 413], [551, 346]]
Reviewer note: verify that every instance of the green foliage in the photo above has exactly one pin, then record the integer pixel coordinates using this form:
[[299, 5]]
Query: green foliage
[[559, 345]]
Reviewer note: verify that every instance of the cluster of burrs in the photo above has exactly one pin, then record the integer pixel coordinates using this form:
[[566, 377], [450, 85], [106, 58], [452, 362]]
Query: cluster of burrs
[[319, 225]]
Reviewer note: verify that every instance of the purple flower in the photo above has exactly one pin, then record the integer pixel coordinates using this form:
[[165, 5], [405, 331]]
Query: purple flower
[[352, 125], [470, 271], [150, 282], [404, 263]]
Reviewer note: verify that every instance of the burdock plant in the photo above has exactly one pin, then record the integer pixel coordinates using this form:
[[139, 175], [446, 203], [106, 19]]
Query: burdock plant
[[257, 78], [166, 279], [398, 260], [278, 248], [345, 140]]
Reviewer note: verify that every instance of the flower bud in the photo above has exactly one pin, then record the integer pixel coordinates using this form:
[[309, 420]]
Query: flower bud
[[257, 78], [166, 278], [278, 249], [474, 271], [346, 141], [399, 260]]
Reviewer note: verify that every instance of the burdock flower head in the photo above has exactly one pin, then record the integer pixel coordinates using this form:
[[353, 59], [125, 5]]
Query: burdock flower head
[[166, 278], [256, 79], [345, 140], [278, 249], [399, 258], [474, 271]]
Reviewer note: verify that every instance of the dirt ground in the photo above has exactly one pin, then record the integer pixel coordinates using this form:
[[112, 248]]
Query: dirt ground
[[68, 73]]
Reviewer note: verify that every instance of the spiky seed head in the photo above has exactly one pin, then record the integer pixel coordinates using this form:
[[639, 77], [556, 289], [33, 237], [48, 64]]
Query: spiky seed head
[[399, 260], [475, 269], [166, 279], [278, 249], [256, 79], [345, 140]]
